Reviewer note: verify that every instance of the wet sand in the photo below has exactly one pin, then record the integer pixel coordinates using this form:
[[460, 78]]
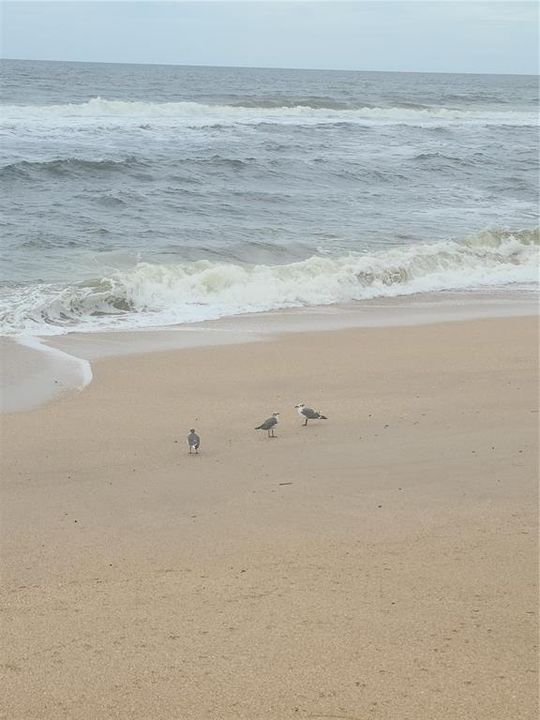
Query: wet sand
[[33, 371], [380, 564]]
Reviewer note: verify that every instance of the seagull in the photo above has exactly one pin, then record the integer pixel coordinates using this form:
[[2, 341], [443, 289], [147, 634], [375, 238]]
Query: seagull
[[193, 441], [309, 413], [269, 424]]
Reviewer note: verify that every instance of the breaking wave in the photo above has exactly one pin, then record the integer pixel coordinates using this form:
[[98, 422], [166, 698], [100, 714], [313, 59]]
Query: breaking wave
[[151, 295], [99, 110]]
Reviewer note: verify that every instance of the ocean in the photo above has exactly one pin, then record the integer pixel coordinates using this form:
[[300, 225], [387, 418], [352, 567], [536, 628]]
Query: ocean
[[138, 196]]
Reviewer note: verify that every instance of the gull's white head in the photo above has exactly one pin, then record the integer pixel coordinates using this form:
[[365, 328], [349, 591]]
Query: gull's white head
[[276, 415], [299, 406]]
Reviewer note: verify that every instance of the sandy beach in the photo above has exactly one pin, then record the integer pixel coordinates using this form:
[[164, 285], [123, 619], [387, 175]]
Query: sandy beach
[[380, 564]]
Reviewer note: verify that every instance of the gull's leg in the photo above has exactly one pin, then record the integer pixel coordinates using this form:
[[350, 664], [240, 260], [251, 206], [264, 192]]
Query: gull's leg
[[306, 422]]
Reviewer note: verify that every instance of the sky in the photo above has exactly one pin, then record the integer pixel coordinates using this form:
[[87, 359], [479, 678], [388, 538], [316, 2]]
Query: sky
[[495, 36]]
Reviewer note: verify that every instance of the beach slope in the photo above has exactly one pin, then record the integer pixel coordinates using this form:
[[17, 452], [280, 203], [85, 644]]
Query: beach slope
[[381, 563]]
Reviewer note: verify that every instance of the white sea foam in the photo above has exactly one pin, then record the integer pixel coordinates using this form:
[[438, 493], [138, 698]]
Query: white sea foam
[[163, 294], [119, 112], [77, 370]]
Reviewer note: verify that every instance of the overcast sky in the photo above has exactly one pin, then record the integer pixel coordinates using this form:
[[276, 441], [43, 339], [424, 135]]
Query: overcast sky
[[429, 36]]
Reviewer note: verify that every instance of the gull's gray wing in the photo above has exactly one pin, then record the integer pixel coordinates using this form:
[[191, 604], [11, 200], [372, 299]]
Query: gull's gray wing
[[267, 424], [194, 440], [310, 413]]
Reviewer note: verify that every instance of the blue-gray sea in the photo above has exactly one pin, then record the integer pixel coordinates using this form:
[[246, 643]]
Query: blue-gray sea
[[136, 195]]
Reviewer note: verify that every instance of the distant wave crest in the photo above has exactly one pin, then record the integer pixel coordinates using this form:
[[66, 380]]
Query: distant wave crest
[[164, 294], [65, 166], [314, 111]]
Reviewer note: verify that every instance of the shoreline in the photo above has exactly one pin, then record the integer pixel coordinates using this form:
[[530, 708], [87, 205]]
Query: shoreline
[[30, 380], [382, 562]]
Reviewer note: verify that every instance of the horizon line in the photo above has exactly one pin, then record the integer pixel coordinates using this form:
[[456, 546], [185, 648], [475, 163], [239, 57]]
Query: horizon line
[[269, 67]]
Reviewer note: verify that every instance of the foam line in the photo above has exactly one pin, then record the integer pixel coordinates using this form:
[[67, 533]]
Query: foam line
[[84, 369], [99, 109]]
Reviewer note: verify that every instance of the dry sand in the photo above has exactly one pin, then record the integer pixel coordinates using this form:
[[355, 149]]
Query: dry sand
[[381, 564]]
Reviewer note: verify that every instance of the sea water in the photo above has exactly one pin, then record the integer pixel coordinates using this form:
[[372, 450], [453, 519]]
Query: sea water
[[140, 196]]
